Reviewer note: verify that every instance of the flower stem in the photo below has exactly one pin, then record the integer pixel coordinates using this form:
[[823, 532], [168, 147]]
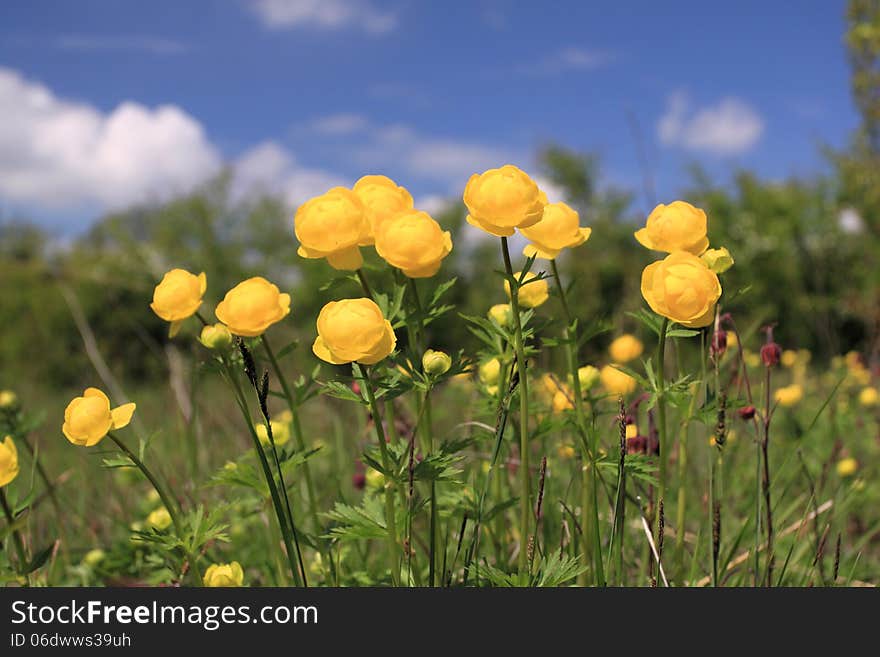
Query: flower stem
[[297, 432], [365, 284], [590, 526], [765, 477], [16, 535], [661, 419], [524, 502], [390, 519]]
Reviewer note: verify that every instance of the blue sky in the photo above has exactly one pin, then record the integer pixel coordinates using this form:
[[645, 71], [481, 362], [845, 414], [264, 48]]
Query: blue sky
[[110, 102]]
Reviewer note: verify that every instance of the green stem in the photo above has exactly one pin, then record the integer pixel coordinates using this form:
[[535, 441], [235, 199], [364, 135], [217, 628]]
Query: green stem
[[524, 502], [589, 530], [365, 284], [390, 519], [16, 535], [297, 432], [661, 418]]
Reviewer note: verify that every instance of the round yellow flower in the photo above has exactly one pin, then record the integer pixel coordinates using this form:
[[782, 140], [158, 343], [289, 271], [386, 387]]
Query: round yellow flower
[[588, 376], [718, 260], [353, 330], [489, 372], [224, 575], [847, 467], [8, 399], [869, 396], [788, 358], [383, 198], [252, 306], [501, 200], [532, 292], [625, 348], [414, 243], [789, 395], [159, 519], [94, 557], [333, 226], [558, 229], [678, 226], [8, 461], [89, 418], [632, 431], [616, 382], [500, 312], [178, 296], [566, 452], [280, 432], [681, 288], [562, 400], [216, 337], [436, 363]]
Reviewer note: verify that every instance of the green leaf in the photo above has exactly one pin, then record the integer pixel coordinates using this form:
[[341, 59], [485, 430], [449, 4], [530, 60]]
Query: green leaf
[[39, 559]]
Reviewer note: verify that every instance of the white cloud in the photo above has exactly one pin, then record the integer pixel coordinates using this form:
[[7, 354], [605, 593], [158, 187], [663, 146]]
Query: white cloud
[[324, 14], [571, 58], [336, 125], [269, 168], [57, 153], [148, 44], [727, 128]]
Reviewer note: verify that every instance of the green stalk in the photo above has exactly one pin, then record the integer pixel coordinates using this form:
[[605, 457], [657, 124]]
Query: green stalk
[[589, 530], [661, 418], [16, 535], [524, 502], [297, 432], [362, 277], [390, 519]]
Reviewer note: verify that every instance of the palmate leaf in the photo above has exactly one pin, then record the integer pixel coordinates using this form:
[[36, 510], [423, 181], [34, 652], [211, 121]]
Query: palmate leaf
[[341, 391], [637, 466], [556, 569], [364, 521]]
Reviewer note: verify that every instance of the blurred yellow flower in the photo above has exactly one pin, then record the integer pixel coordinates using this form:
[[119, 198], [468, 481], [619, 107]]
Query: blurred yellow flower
[[89, 418], [280, 432], [869, 396], [413, 242], [678, 226], [501, 200], [588, 376], [625, 348], [500, 312], [285, 416], [253, 306], [178, 296], [789, 395], [681, 288], [94, 557], [8, 399], [751, 358], [436, 363], [159, 519], [216, 337], [224, 575], [847, 467], [632, 431], [532, 292], [353, 330], [718, 260], [566, 452], [616, 382], [490, 371], [8, 461], [732, 340], [375, 479], [562, 400], [383, 198], [788, 358], [558, 229], [333, 225]]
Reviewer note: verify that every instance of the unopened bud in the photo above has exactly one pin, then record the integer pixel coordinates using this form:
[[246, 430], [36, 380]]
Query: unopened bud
[[436, 363], [216, 337]]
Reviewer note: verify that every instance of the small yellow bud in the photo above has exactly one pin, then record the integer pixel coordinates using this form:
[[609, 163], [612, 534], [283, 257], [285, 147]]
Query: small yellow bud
[[159, 519], [375, 479], [94, 557], [8, 399], [490, 371], [436, 363], [588, 376], [718, 260], [566, 452], [501, 314], [869, 397], [224, 574], [216, 337], [632, 431], [847, 467]]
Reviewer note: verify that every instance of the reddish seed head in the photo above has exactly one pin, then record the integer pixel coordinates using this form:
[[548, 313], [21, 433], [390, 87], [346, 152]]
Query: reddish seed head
[[636, 445], [770, 354], [747, 412], [629, 419], [719, 343], [359, 480]]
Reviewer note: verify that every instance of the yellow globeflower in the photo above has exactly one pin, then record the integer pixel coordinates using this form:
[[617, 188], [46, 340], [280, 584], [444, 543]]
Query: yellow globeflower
[[631, 431], [8, 461], [558, 229], [847, 467], [333, 226], [413, 242], [216, 337], [280, 432], [500, 312], [789, 395], [616, 382], [563, 400], [383, 198], [788, 358], [532, 292], [353, 330], [566, 452], [501, 200], [625, 348], [718, 260], [869, 396], [489, 372], [8, 399], [224, 574], [682, 288], [89, 418], [678, 226], [93, 557], [159, 519], [253, 306], [178, 296], [588, 376]]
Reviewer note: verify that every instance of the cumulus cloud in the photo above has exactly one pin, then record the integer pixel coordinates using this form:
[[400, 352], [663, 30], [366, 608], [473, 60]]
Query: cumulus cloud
[[57, 153], [727, 128], [338, 124], [324, 14]]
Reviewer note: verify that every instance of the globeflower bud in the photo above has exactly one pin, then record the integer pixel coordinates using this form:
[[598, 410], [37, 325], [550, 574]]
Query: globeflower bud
[[8, 461], [159, 519], [588, 376], [490, 371], [216, 337], [8, 399], [718, 260], [224, 574], [500, 312], [94, 557], [436, 363]]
